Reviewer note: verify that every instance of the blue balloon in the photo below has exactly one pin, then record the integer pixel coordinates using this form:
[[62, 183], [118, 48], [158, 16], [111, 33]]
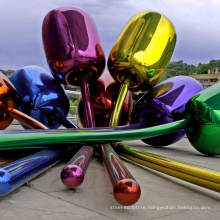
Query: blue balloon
[[40, 96]]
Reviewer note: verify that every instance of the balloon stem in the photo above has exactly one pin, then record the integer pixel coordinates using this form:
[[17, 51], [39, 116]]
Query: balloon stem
[[81, 160], [62, 120], [87, 103], [23, 118], [22, 139], [115, 117], [200, 176]]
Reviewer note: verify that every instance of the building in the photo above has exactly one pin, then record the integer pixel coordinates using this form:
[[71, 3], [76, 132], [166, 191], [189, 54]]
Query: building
[[209, 79]]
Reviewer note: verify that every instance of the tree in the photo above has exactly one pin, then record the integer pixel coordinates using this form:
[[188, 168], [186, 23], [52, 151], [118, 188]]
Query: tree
[[203, 68], [177, 68]]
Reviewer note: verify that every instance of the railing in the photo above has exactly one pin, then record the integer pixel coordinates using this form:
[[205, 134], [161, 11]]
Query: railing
[[74, 117]]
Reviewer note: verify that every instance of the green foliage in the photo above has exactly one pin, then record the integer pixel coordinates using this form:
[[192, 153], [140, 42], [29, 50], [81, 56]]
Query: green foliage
[[177, 68], [73, 102], [203, 68]]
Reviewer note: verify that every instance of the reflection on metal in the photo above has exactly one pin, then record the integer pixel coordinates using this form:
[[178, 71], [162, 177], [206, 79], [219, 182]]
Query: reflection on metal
[[163, 104], [15, 174], [41, 97], [200, 176], [75, 56], [104, 94], [143, 49], [73, 173], [28, 139], [125, 189], [8, 105], [72, 45]]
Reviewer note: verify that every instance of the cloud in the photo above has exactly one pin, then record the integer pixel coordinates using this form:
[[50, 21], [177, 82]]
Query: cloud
[[196, 23]]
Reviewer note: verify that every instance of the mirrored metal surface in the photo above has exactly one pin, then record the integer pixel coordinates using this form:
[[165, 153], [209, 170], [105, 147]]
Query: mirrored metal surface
[[203, 110], [201, 176], [15, 174], [72, 45], [125, 189], [29, 139], [40, 96], [163, 104], [73, 173], [8, 97], [143, 49], [8, 105], [104, 93]]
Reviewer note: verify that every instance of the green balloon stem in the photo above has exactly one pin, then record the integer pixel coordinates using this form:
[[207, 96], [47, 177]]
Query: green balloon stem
[[27, 139]]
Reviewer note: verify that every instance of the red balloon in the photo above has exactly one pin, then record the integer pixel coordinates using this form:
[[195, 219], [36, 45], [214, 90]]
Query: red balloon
[[104, 93]]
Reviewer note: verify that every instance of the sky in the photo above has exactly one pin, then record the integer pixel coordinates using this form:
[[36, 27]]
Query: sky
[[196, 22]]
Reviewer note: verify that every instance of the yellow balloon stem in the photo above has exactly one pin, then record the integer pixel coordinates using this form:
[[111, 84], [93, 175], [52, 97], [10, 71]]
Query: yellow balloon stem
[[115, 117], [200, 176]]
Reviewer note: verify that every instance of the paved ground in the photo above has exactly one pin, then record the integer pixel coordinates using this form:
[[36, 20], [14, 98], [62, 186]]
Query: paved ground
[[163, 197]]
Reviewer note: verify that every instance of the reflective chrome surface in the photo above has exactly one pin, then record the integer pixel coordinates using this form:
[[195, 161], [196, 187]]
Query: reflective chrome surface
[[73, 173], [163, 104], [203, 110], [8, 105], [118, 108], [126, 190], [5, 161], [87, 103], [8, 97], [74, 53], [72, 45], [21, 117], [143, 49], [29, 139], [40, 96], [15, 174], [201, 176], [104, 93]]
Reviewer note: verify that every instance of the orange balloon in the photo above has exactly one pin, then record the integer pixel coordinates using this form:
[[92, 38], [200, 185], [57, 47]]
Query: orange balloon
[[8, 105], [8, 97]]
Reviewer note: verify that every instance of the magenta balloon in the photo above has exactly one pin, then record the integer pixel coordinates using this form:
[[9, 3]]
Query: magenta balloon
[[72, 45]]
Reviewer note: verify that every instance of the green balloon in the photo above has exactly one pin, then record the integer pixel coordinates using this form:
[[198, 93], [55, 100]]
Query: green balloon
[[203, 112]]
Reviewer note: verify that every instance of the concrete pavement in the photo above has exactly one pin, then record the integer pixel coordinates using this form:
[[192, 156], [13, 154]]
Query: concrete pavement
[[163, 197]]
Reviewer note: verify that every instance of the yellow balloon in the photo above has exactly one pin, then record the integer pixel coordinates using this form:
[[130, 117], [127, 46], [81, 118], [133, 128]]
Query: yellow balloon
[[143, 49]]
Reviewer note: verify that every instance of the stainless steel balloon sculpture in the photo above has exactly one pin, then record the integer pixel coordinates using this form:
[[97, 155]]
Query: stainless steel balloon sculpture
[[74, 53], [80, 63], [162, 116], [165, 103], [41, 97], [8, 105]]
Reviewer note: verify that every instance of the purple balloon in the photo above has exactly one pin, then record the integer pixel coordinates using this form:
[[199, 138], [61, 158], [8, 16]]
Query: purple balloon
[[165, 103], [72, 45]]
